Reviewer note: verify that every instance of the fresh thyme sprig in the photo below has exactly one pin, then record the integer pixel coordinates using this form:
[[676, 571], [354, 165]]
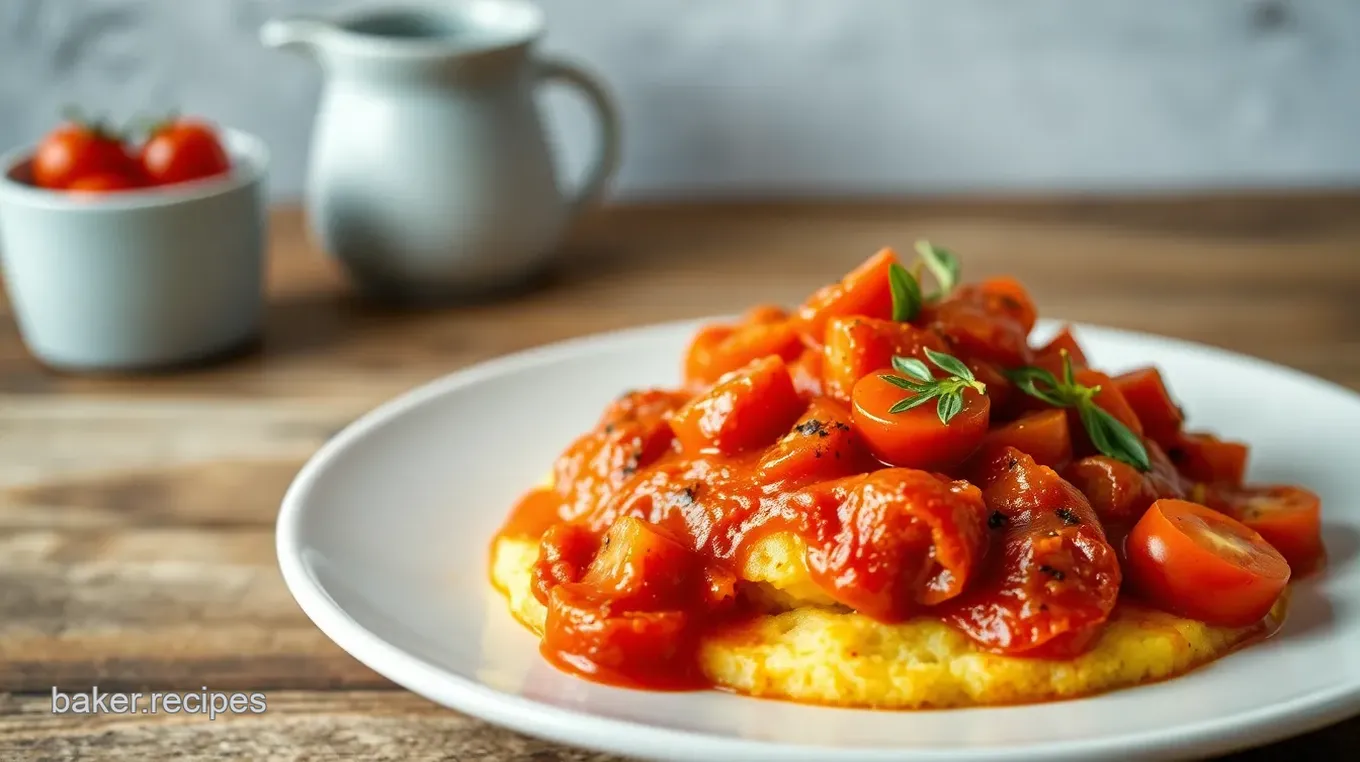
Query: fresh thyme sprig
[[948, 390], [1107, 433], [907, 298], [942, 264]]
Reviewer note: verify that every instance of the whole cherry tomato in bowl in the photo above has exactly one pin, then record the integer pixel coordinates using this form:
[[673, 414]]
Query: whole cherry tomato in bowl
[[77, 150], [108, 273], [182, 150]]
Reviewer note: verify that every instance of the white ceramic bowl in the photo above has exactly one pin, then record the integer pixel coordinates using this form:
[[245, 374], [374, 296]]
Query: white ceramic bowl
[[139, 279]]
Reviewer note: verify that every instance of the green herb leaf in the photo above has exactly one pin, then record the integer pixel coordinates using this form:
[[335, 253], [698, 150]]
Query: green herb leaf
[[1067, 367], [904, 383], [950, 406], [1113, 438], [911, 402], [906, 294], [1107, 433], [912, 367], [1030, 379], [942, 263], [950, 364]]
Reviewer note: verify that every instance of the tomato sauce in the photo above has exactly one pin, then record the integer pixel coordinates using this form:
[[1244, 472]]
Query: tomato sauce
[[1006, 521]]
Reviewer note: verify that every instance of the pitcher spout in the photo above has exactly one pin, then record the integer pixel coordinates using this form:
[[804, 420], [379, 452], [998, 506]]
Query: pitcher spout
[[304, 35]]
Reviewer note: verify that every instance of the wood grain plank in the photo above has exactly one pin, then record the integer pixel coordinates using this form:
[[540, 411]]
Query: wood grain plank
[[44, 438], [133, 608], [224, 493]]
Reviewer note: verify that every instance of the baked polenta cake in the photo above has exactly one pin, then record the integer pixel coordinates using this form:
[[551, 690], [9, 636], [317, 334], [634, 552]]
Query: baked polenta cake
[[889, 498]]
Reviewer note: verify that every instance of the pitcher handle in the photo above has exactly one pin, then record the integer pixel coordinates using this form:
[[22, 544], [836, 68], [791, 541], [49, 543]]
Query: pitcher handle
[[607, 154]]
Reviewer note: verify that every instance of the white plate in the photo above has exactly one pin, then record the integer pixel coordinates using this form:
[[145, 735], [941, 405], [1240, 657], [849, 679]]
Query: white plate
[[383, 540]]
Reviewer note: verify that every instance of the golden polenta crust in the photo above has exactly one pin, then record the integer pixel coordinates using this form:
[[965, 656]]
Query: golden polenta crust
[[829, 655]]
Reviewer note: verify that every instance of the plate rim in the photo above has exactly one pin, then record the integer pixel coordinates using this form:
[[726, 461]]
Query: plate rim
[[639, 739]]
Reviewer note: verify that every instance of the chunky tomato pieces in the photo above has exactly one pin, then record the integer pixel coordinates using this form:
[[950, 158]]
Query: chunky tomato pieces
[[1044, 436], [1146, 395], [1056, 578], [856, 347], [904, 540], [989, 321], [895, 443], [721, 349], [632, 434], [864, 292], [822, 443], [746, 410], [1208, 459]]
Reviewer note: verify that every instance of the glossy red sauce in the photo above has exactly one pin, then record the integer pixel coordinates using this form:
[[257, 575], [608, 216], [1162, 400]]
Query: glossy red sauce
[[653, 514]]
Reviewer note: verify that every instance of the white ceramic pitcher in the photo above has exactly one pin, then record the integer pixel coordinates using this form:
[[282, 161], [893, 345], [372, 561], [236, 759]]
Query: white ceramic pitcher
[[430, 174]]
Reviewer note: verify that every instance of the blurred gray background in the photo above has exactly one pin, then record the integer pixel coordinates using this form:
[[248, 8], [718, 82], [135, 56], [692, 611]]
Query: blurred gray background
[[799, 97]]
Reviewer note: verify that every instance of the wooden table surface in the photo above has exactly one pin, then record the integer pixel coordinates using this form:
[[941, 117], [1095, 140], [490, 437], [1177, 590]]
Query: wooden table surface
[[137, 513]]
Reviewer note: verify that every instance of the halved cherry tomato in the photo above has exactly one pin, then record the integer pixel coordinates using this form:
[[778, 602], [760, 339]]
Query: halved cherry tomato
[[865, 291], [74, 151], [747, 409], [1208, 459], [857, 346], [1288, 517], [1146, 393], [1043, 436], [1198, 563], [720, 349], [915, 438], [183, 150], [822, 445]]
